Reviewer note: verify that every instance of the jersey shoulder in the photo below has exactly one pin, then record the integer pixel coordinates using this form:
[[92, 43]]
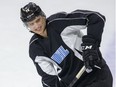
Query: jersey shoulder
[[34, 38], [57, 15]]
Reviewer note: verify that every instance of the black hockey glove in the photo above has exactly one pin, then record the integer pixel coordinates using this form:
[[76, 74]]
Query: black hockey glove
[[90, 50]]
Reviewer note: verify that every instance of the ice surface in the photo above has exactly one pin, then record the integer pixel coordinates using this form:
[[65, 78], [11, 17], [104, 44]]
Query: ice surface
[[16, 68]]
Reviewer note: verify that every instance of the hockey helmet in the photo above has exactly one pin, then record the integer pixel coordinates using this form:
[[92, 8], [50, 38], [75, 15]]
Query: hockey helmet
[[30, 11]]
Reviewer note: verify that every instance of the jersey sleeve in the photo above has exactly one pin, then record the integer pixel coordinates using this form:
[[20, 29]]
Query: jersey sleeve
[[80, 19], [44, 65]]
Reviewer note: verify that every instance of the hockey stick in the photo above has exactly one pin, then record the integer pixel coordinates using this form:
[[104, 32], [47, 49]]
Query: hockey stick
[[79, 74]]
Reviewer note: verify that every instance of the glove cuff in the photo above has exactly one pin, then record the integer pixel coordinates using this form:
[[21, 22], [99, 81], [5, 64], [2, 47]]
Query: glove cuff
[[89, 43], [88, 39]]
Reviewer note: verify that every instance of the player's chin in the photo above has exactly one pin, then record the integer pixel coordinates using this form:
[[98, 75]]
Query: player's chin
[[39, 33]]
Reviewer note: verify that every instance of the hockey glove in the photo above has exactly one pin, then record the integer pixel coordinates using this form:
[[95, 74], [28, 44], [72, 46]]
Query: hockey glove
[[90, 50]]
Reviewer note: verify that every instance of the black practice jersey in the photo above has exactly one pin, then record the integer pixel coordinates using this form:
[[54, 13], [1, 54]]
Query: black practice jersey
[[58, 57]]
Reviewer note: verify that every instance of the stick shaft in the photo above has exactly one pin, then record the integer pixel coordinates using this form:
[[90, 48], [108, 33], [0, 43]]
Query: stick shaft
[[79, 74]]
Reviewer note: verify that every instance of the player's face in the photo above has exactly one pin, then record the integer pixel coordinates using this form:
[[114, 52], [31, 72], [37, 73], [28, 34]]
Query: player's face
[[38, 25]]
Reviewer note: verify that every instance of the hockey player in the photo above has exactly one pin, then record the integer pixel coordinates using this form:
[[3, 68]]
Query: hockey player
[[59, 49]]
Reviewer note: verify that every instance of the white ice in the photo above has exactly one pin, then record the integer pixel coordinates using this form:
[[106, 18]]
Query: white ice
[[16, 68]]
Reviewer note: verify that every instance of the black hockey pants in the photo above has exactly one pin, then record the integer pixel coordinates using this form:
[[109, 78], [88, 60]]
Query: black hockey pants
[[98, 78]]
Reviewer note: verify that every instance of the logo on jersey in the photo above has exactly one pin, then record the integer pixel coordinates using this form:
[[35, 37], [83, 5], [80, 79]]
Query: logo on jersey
[[60, 54]]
